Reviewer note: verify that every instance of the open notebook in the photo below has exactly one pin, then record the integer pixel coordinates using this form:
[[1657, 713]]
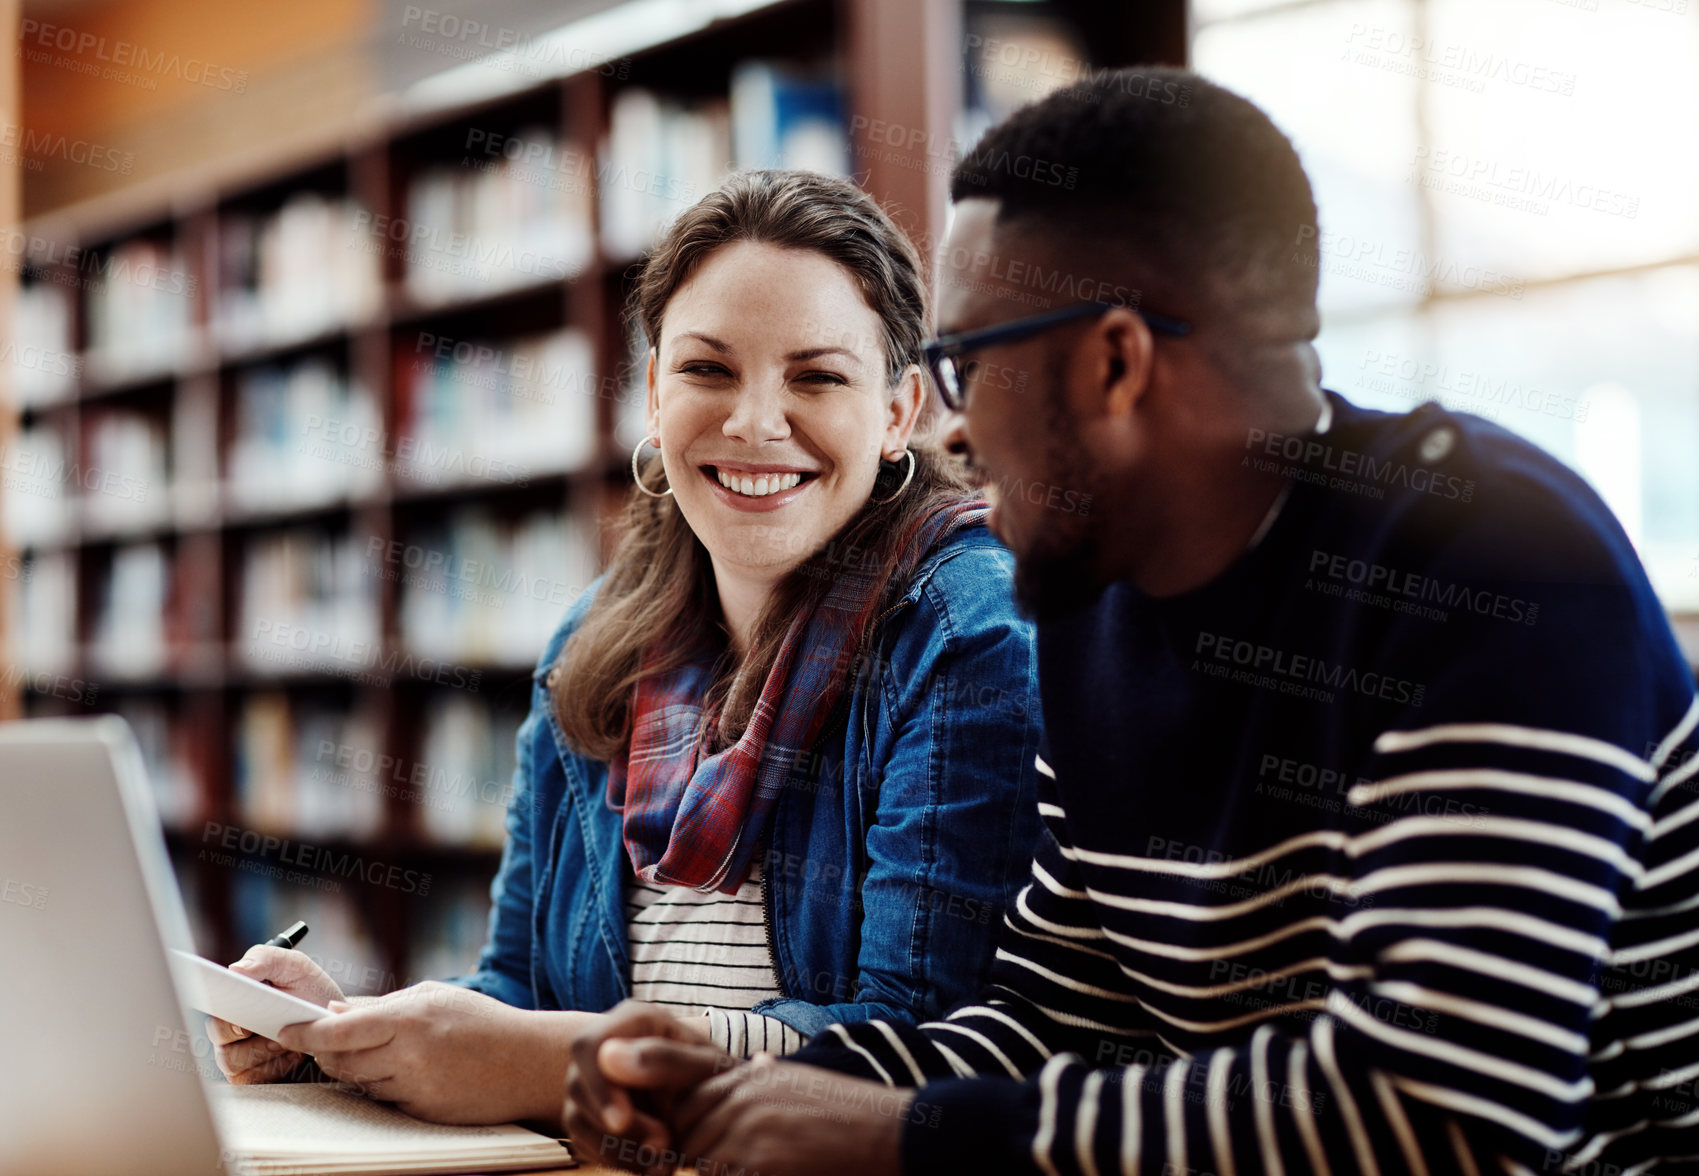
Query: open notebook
[[308, 1129]]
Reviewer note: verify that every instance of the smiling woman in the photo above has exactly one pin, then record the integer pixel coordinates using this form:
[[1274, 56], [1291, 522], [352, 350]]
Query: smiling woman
[[789, 315], [779, 767]]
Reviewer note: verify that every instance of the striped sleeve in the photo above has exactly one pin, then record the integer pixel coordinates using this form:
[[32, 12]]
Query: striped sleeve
[[1054, 987], [744, 1034], [1462, 1026], [1646, 1024]]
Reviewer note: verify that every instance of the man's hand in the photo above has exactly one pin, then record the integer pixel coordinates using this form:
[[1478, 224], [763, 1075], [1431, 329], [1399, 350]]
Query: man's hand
[[602, 1118], [780, 1118], [246, 1057], [772, 1117], [446, 1054]]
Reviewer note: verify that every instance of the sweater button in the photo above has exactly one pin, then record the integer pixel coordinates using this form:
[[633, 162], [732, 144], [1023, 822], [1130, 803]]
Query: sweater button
[[553, 679], [1437, 445]]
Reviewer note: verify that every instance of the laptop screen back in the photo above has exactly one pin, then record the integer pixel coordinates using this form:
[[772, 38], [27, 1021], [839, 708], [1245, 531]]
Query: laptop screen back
[[100, 1074]]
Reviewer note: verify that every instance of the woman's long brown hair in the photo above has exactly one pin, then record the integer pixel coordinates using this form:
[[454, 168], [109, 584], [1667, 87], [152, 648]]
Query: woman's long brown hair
[[657, 602]]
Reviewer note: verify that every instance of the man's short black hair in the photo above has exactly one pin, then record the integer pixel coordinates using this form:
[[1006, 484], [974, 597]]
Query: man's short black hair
[[1161, 169]]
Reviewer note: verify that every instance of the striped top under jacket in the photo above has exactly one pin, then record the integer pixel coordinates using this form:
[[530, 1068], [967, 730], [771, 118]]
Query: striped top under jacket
[[1379, 853]]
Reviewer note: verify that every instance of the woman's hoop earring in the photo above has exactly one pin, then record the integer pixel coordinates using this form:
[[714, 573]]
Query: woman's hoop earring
[[907, 478], [638, 478]]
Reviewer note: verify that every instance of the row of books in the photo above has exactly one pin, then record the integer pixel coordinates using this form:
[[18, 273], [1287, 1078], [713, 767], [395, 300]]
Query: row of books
[[178, 789], [485, 590], [309, 768], [140, 311], [786, 116], [663, 153], [464, 770], [41, 598], [514, 211], [119, 482], [660, 156], [491, 410], [304, 435], [306, 768], [43, 360], [135, 620], [126, 470], [35, 502], [307, 605], [475, 589], [131, 634], [295, 272]]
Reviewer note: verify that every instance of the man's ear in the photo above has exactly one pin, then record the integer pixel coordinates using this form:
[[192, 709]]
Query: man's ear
[[1125, 353], [907, 399]]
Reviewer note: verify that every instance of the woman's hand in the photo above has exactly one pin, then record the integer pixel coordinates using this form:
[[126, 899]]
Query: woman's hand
[[247, 1058], [447, 1054]]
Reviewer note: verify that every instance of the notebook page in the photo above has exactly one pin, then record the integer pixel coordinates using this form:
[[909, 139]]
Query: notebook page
[[314, 1119]]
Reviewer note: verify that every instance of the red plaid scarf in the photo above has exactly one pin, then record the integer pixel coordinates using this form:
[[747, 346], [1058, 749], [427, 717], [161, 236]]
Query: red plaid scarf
[[695, 819]]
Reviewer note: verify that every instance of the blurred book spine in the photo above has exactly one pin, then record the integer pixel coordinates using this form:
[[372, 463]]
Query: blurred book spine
[[631, 416], [308, 769], [140, 313], [488, 591], [44, 612], [129, 638], [177, 787], [295, 273], [307, 606], [305, 435], [123, 481], [663, 153], [34, 481], [496, 222], [465, 771], [660, 156], [496, 411], [42, 356], [787, 116]]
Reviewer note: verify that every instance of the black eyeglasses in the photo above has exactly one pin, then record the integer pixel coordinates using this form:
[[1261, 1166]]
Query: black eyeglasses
[[942, 352]]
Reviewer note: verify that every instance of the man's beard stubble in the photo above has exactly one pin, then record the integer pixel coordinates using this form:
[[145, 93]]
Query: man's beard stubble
[[1058, 573], [1055, 577]]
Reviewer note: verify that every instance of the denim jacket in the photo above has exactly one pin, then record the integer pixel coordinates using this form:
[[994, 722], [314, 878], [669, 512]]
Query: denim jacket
[[889, 860]]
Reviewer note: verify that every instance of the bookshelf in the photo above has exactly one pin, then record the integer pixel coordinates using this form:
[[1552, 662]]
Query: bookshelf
[[315, 456]]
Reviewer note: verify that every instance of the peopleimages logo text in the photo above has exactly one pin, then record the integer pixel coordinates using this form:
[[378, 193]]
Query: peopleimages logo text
[[1303, 668], [36, 38], [1376, 577], [1313, 456]]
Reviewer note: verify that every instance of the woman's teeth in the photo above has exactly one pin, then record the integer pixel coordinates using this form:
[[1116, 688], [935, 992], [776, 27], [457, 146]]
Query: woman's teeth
[[758, 487]]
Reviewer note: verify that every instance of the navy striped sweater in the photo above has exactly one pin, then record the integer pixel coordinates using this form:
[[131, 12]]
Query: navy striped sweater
[[1379, 853]]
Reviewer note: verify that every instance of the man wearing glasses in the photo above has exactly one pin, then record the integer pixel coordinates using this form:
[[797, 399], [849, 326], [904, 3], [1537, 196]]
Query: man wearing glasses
[[1371, 837]]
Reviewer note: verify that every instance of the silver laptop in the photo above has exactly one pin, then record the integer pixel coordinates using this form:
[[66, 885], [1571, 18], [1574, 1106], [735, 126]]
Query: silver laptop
[[100, 1073]]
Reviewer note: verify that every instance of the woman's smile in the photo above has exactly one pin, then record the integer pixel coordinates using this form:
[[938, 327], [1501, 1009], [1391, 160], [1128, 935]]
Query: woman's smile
[[754, 482]]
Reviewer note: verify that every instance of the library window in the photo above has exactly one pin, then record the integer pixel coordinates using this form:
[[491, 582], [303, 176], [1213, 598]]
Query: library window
[[1509, 223]]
